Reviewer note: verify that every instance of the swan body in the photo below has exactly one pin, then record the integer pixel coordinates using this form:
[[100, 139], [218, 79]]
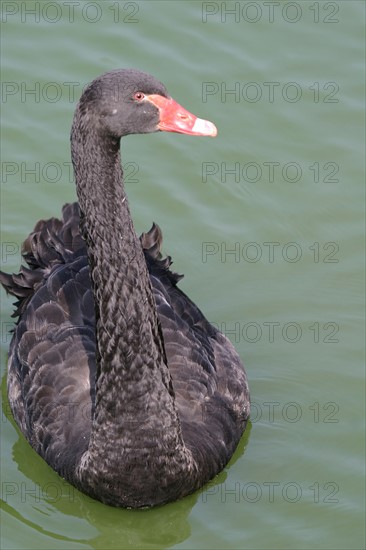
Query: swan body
[[115, 377]]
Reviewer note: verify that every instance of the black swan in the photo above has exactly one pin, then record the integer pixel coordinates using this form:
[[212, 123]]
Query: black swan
[[115, 377]]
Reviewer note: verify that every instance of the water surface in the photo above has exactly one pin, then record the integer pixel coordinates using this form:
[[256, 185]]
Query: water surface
[[265, 222]]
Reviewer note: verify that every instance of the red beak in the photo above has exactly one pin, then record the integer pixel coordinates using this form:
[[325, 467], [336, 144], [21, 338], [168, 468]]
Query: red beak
[[174, 118]]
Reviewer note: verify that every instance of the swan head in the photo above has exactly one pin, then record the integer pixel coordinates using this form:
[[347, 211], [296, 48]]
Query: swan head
[[127, 101]]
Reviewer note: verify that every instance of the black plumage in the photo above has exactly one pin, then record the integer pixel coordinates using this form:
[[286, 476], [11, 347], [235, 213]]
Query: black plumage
[[115, 377]]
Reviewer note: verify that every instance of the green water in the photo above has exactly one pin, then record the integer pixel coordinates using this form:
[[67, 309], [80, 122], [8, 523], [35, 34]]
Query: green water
[[266, 223]]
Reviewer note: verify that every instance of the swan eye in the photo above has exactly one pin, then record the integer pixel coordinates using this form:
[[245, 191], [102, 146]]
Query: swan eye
[[139, 96]]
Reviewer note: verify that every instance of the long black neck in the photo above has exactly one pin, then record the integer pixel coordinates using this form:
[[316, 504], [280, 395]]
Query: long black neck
[[135, 418], [126, 319]]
